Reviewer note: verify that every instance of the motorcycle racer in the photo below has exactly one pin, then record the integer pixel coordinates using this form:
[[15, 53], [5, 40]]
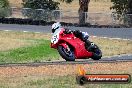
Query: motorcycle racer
[[82, 35]]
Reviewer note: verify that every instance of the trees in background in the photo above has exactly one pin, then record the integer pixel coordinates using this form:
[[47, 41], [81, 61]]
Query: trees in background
[[41, 4], [123, 10], [122, 7], [4, 8], [82, 9], [39, 9], [53, 5], [130, 6], [130, 12]]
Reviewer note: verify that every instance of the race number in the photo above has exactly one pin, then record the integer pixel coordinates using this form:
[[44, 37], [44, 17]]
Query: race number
[[55, 39]]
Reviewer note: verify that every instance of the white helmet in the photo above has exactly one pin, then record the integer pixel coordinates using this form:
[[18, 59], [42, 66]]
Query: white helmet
[[56, 26]]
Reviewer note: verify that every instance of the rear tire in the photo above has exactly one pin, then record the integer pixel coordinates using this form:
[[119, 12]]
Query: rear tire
[[97, 54], [67, 57]]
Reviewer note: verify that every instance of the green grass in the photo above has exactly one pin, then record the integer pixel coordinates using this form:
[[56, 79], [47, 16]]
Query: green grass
[[35, 53], [53, 82], [68, 81]]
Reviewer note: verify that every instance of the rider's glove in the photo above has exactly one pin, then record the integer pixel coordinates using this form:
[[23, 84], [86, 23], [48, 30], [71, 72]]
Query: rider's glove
[[67, 31], [77, 33]]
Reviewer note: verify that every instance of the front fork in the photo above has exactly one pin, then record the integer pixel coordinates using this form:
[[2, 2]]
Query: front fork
[[65, 46], [62, 44]]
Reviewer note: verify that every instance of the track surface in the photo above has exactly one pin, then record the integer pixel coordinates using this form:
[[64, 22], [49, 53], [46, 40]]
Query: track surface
[[125, 33], [123, 58]]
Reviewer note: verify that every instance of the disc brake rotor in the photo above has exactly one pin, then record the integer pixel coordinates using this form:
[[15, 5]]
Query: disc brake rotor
[[67, 51]]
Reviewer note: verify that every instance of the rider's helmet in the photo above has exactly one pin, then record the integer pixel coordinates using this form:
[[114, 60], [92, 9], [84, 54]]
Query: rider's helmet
[[56, 26]]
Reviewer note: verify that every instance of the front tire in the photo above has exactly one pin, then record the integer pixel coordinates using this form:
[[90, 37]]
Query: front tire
[[67, 56]]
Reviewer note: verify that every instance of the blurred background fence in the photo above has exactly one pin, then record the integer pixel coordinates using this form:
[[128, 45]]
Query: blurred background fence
[[69, 16]]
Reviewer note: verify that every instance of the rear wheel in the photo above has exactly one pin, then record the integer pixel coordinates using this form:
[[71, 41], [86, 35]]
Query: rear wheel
[[68, 55], [97, 54]]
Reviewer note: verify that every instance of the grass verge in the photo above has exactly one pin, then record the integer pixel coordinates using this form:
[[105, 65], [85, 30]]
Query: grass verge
[[54, 82], [33, 47], [60, 76], [113, 47], [26, 47], [34, 53]]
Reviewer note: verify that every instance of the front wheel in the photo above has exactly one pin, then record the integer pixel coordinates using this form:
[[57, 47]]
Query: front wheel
[[68, 55]]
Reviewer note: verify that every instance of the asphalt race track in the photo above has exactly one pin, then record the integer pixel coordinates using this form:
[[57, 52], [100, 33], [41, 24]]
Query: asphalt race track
[[122, 33], [115, 59], [125, 33]]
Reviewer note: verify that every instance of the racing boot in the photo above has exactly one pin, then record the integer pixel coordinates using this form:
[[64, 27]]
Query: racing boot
[[90, 46]]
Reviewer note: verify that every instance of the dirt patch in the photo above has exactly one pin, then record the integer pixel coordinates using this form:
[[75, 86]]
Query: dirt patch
[[113, 47], [24, 35], [13, 40], [8, 43], [63, 70]]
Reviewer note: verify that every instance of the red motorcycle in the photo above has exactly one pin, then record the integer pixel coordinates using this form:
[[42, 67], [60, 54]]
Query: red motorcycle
[[71, 47]]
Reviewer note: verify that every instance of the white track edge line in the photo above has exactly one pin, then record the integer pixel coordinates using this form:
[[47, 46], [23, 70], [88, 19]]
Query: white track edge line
[[90, 36], [110, 38]]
